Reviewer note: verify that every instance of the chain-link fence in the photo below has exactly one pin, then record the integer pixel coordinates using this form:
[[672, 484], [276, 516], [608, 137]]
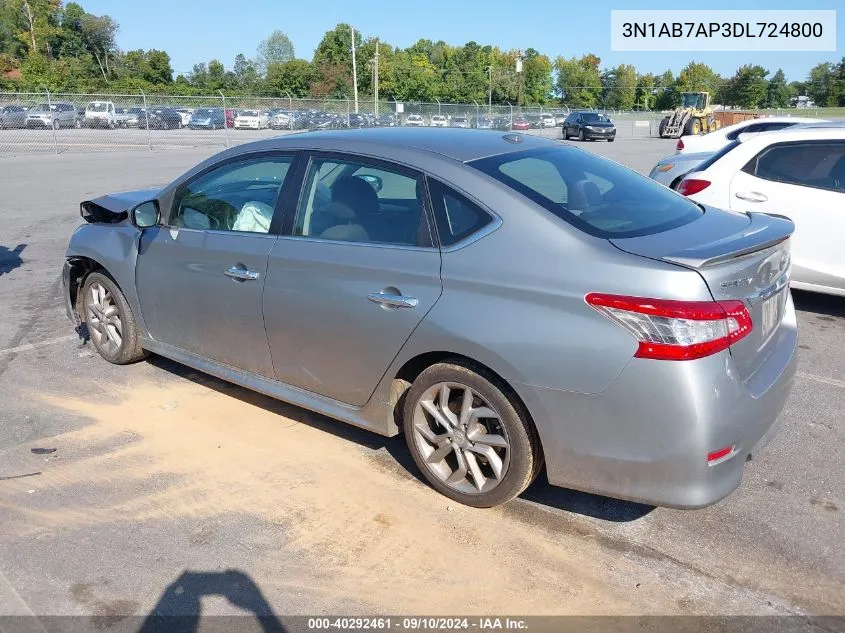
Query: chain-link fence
[[58, 123]]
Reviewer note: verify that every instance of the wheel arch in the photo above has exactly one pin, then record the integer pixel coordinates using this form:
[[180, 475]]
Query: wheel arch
[[414, 366], [80, 266]]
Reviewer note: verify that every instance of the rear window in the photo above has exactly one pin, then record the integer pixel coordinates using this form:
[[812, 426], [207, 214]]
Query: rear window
[[717, 156], [593, 194]]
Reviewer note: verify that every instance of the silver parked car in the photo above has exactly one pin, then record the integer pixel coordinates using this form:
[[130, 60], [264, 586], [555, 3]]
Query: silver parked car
[[53, 115], [506, 301], [12, 116]]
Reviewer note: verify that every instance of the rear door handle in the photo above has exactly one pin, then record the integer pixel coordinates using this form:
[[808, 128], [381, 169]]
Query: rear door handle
[[751, 196], [393, 301], [241, 274]]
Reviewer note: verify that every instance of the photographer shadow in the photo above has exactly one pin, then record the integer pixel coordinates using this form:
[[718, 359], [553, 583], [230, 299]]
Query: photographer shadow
[[179, 609]]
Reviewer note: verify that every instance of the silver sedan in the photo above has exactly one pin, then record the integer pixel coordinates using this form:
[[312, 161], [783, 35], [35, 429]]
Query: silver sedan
[[508, 302]]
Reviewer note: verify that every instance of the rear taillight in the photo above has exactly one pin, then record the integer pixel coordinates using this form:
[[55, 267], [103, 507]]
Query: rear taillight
[[680, 144], [676, 330], [692, 185]]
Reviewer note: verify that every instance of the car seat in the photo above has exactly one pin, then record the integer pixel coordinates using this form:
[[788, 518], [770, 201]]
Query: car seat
[[583, 195]]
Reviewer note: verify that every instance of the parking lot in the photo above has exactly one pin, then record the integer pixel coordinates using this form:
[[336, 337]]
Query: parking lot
[[117, 481], [71, 140]]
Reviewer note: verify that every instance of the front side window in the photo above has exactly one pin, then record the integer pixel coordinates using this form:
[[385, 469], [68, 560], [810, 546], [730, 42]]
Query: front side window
[[810, 164], [239, 196], [349, 201], [593, 194]]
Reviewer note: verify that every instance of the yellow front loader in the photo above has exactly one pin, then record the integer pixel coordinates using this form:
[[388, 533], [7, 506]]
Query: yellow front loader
[[694, 116]]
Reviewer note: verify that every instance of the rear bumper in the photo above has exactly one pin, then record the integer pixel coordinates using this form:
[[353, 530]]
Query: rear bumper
[[647, 436]]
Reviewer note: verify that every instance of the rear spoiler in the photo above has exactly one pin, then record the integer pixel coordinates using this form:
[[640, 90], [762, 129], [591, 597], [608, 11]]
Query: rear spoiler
[[766, 230]]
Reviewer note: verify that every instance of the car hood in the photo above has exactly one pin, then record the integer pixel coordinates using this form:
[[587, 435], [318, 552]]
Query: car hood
[[599, 123], [114, 207]]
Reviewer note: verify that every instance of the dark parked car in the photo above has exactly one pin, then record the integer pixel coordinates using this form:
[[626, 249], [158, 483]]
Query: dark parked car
[[12, 116], [502, 123], [356, 119], [589, 126], [207, 119], [385, 120], [164, 118], [572, 317]]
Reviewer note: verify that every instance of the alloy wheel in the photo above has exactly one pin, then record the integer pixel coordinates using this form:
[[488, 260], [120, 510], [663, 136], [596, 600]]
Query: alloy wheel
[[461, 438], [104, 323]]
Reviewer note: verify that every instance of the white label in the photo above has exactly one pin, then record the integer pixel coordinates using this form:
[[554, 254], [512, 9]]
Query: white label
[[723, 30]]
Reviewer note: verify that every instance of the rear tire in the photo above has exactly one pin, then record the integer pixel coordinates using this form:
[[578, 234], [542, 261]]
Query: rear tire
[[482, 457], [110, 321], [662, 127]]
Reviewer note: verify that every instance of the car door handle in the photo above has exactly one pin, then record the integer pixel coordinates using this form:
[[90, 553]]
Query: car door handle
[[751, 196], [393, 301], [241, 274]]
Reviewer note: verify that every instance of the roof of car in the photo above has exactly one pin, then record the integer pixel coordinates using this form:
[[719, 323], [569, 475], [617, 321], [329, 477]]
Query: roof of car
[[456, 143], [795, 134]]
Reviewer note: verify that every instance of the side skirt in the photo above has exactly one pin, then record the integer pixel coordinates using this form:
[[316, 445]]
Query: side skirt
[[375, 416]]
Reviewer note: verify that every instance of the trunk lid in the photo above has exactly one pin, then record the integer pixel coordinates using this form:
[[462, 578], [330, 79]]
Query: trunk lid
[[741, 256]]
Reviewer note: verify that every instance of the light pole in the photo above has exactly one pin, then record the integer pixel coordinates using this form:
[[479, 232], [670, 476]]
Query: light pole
[[490, 91], [519, 59], [354, 68]]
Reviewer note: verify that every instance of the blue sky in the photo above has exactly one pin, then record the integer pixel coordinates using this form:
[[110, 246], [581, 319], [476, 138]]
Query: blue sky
[[198, 30]]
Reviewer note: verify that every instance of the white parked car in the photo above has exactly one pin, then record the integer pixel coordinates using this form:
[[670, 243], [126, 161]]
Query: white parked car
[[798, 173], [414, 120], [438, 120], [670, 171], [185, 113], [103, 114], [714, 141], [252, 120], [548, 120]]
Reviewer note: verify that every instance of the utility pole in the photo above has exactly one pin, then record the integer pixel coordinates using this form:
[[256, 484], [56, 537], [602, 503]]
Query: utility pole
[[354, 69], [490, 91], [375, 82]]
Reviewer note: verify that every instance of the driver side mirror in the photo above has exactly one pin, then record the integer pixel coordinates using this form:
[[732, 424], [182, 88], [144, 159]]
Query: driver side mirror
[[145, 215], [374, 181]]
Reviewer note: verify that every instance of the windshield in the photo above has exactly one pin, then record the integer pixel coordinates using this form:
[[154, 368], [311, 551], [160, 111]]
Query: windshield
[[97, 107], [249, 113], [592, 193], [136, 110], [692, 100], [592, 117], [202, 113], [43, 107]]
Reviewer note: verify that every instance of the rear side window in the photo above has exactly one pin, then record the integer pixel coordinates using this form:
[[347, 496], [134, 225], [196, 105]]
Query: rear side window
[[594, 194], [727, 149], [456, 216], [759, 127], [819, 164]]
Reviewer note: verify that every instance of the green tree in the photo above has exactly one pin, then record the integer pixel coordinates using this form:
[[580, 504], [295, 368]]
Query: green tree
[[35, 23], [748, 87], [293, 78], [698, 77], [667, 92], [537, 77], [778, 93], [646, 94], [274, 50], [579, 80], [822, 87], [620, 87]]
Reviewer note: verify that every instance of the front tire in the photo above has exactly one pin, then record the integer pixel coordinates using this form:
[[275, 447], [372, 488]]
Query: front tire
[[471, 441], [110, 321]]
